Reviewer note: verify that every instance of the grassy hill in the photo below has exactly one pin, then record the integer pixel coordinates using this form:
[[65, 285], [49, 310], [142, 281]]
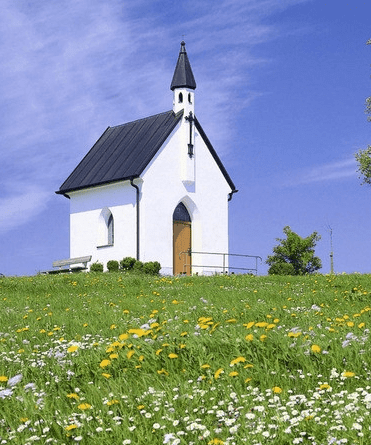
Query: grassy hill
[[119, 359]]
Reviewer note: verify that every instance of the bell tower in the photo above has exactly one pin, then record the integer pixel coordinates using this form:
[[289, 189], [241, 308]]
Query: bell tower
[[183, 84]]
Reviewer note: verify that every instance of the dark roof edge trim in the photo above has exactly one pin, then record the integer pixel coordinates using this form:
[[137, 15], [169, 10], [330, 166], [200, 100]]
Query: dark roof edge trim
[[98, 184], [215, 156]]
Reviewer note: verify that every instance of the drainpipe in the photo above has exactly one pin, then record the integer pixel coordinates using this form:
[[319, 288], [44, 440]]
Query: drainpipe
[[230, 195], [138, 226]]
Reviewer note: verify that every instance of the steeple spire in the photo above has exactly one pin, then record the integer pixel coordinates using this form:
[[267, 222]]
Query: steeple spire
[[183, 76]]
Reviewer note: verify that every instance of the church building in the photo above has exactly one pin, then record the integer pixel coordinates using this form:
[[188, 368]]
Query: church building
[[153, 189]]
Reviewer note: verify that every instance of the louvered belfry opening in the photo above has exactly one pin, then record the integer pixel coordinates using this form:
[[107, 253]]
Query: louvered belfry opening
[[182, 241]]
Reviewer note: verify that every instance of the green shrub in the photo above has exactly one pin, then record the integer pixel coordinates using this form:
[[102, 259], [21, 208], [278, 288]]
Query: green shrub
[[138, 266], [96, 267], [127, 263], [152, 267], [113, 266]]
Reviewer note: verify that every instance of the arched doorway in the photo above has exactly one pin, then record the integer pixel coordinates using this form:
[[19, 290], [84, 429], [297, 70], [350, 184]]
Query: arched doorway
[[181, 240]]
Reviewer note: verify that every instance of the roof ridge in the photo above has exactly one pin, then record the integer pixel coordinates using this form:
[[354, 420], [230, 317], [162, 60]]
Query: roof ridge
[[142, 119]]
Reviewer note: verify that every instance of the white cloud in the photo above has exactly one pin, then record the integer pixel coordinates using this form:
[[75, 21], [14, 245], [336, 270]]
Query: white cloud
[[333, 171]]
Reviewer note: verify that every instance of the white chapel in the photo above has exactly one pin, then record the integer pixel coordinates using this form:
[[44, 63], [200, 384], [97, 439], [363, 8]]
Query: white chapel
[[153, 189]]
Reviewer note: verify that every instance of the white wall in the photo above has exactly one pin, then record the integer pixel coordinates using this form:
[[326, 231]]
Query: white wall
[[85, 209]]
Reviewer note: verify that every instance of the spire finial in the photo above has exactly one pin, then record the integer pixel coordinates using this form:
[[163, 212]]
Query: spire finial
[[183, 76]]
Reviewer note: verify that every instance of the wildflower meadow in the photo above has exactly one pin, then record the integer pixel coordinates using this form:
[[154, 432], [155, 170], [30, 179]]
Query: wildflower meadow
[[124, 359]]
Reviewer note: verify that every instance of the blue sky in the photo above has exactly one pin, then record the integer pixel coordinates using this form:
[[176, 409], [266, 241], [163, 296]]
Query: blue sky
[[281, 87]]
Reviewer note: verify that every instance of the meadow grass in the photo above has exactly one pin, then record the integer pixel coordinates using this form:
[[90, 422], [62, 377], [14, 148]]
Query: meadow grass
[[120, 359]]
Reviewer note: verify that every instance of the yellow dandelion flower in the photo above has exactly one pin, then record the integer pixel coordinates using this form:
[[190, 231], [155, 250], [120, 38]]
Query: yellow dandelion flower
[[70, 427], [350, 324], [249, 337], [107, 376], [72, 348], [217, 373], [261, 324], [248, 379], [294, 334], [248, 366], [277, 389], [231, 320], [130, 354], [140, 406], [215, 441], [324, 386], [112, 356], [84, 406], [112, 402], [237, 360], [276, 320], [315, 348], [125, 311], [249, 325], [183, 334], [348, 374], [73, 395], [361, 325], [158, 351], [105, 363], [3, 378], [172, 355], [205, 366], [263, 337], [271, 326], [162, 371], [139, 332], [123, 337], [233, 373]]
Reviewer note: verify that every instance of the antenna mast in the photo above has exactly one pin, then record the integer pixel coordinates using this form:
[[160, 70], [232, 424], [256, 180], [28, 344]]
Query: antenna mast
[[332, 251]]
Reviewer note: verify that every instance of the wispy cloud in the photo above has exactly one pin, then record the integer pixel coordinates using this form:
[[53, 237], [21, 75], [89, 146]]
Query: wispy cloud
[[71, 68], [334, 171]]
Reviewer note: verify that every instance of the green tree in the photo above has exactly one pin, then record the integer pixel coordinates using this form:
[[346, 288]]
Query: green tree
[[294, 255], [363, 157]]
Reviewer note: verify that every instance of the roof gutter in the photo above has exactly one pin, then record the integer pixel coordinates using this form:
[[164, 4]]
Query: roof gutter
[[230, 195], [137, 205]]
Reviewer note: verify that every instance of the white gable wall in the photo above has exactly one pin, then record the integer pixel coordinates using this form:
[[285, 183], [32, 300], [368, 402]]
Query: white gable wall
[[85, 209], [206, 198]]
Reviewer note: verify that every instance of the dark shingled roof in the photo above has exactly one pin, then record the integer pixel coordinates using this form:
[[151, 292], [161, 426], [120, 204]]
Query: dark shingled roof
[[122, 152], [183, 76]]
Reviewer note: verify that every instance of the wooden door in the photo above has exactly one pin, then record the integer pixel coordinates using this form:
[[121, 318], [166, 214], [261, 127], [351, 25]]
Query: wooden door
[[181, 243]]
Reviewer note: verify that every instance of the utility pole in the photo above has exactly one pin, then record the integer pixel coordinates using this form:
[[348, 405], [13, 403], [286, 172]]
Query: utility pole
[[332, 251]]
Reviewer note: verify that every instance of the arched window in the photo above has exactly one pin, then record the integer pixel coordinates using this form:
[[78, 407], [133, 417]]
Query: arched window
[[180, 97], [106, 233], [190, 98], [110, 231], [181, 213]]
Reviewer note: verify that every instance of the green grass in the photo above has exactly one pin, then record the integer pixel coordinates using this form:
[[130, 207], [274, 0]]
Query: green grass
[[119, 359]]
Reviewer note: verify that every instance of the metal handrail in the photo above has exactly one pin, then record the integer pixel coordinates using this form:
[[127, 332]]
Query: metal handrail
[[223, 267]]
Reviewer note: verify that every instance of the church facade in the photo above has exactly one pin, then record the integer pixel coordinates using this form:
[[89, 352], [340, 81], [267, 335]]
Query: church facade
[[153, 189]]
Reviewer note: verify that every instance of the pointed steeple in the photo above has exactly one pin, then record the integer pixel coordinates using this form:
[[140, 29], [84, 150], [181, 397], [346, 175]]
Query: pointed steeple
[[183, 76]]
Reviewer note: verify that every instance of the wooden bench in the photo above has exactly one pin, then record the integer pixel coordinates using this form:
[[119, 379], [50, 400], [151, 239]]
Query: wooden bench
[[65, 265]]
